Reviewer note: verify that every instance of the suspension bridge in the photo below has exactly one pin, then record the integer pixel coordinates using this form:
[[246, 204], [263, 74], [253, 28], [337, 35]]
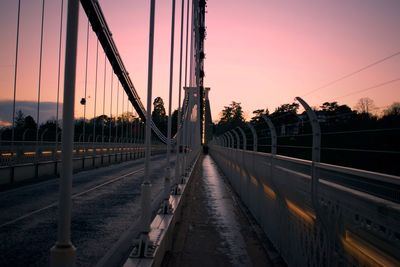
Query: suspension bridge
[[112, 189]]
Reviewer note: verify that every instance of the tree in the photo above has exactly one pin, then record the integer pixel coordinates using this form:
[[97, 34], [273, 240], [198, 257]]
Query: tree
[[19, 120], [231, 117], [391, 116], [365, 105], [329, 107], [159, 116], [159, 109], [392, 110], [174, 122], [232, 113], [287, 108], [258, 113], [29, 123]]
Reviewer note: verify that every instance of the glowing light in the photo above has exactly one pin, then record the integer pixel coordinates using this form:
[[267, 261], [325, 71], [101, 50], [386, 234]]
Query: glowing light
[[253, 180], [29, 153], [366, 252], [269, 192], [307, 216]]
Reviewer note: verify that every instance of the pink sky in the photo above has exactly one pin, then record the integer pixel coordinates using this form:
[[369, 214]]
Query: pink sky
[[260, 53]]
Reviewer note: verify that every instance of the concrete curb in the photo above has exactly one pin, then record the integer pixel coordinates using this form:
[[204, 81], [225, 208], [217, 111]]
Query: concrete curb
[[162, 228]]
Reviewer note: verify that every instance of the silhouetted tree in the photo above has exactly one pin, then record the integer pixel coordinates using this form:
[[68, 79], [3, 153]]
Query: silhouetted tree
[[159, 116], [232, 113], [391, 117], [49, 127], [257, 118], [231, 117], [393, 110], [365, 105], [174, 122], [19, 120]]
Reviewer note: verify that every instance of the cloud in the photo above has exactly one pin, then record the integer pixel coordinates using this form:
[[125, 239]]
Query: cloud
[[47, 110]]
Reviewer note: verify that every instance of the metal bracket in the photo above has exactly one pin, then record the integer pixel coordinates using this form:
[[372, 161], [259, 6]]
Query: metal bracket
[[165, 208], [143, 247], [176, 190]]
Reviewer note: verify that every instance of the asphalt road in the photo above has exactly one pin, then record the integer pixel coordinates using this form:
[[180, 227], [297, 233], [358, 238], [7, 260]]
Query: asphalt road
[[105, 204]]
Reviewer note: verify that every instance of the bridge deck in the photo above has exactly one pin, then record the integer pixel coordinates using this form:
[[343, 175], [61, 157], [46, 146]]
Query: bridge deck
[[105, 205], [214, 230]]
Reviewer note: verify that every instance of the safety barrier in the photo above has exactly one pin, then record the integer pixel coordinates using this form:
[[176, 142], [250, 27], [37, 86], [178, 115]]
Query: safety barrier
[[349, 226], [315, 214], [28, 167]]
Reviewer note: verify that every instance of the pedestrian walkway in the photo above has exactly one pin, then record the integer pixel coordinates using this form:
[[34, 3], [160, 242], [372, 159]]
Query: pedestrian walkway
[[214, 231]]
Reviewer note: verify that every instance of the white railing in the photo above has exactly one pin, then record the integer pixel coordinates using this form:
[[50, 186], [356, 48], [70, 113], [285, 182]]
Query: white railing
[[315, 214]]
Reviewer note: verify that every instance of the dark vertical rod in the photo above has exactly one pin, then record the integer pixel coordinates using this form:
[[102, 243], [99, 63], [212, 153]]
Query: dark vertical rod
[[127, 117], [59, 73], [15, 76], [111, 101], [86, 75], [178, 125], [104, 98], [145, 201], [122, 117], [185, 138], [39, 82], [171, 77], [95, 96], [116, 118], [187, 42]]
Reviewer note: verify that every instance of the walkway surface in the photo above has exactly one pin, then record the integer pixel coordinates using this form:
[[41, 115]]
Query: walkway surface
[[214, 231]]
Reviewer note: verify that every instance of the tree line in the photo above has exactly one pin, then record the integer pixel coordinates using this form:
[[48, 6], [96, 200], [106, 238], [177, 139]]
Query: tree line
[[350, 137], [100, 128]]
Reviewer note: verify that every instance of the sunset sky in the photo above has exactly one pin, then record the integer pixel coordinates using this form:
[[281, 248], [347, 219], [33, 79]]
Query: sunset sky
[[260, 53]]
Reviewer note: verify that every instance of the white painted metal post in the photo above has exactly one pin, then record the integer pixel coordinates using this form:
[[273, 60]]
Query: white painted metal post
[[222, 142], [274, 139], [255, 139], [237, 138], [244, 138], [231, 140], [227, 140], [274, 144], [167, 179], [63, 253], [316, 150], [146, 185], [179, 124]]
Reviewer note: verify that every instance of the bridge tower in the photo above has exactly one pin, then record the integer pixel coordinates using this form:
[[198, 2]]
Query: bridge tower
[[207, 120]]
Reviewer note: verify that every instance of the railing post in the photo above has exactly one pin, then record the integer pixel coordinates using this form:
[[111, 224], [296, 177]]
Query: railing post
[[274, 144], [273, 135], [42, 135], [231, 140], [226, 140], [142, 244], [316, 151], [219, 140], [63, 253], [244, 138], [255, 138], [237, 138]]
